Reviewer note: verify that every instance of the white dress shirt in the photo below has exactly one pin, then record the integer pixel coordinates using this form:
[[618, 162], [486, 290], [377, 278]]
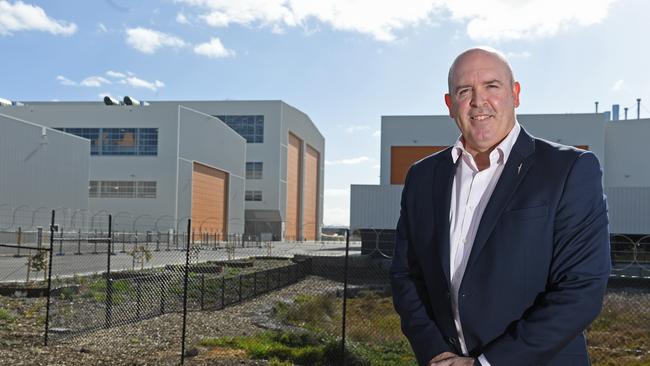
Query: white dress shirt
[[471, 191]]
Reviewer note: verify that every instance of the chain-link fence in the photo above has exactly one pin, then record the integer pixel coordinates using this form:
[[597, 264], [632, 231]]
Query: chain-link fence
[[141, 297]]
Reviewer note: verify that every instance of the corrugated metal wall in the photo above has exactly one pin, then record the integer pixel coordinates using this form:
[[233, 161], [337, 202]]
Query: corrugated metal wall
[[41, 168], [629, 210], [374, 206]]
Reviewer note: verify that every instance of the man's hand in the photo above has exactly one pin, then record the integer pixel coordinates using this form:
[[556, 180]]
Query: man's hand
[[442, 356], [453, 361]]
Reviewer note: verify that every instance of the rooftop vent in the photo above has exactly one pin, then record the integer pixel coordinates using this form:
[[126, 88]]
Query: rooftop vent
[[108, 100]]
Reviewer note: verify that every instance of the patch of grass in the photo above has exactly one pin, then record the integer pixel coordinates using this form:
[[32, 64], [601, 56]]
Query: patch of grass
[[6, 316], [122, 289]]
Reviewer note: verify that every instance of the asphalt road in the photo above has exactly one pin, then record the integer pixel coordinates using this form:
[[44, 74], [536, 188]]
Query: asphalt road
[[15, 268]]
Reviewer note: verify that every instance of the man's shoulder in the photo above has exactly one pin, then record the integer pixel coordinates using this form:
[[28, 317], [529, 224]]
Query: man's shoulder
[[555, 150]]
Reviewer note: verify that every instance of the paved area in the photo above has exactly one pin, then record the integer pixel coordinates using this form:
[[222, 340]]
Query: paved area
[[67, 263]]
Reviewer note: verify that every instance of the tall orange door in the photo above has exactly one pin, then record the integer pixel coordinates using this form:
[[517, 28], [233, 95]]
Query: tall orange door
[[293, 188], [310, 217], [209, 199]]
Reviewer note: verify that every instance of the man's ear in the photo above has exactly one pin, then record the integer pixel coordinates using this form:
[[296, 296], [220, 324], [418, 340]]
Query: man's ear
[[449, 105], [516, 89]]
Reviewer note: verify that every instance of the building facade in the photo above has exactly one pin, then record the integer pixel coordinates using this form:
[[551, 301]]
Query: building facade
[[253, 167], [618, 144], [42, 169]]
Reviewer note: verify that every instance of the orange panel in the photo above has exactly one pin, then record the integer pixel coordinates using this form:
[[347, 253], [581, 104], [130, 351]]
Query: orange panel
[[310, 209], [293, 188], [402, 157], [209, 199]]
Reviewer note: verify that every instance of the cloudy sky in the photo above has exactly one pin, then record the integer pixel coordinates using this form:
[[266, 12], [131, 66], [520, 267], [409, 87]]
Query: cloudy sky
[[343, 62]]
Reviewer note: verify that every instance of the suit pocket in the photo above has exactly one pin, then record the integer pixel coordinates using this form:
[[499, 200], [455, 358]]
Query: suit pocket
[[527, 213]]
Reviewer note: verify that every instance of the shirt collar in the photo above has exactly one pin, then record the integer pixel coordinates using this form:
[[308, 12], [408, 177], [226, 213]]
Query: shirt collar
[[499, 155]]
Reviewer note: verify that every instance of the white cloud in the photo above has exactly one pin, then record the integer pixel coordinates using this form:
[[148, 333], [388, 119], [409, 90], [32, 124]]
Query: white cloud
[[19, 16], [182, 19], [352, 161], [336, 216], [149, 40], [377, 133], [486, 20], [115, 74], [523, 54], [356, 128], [91, 81], [94, 81], [139, 83], [65, 81], [122, 78], [336, 192], [618, 85], [102, 27], [213, 49]]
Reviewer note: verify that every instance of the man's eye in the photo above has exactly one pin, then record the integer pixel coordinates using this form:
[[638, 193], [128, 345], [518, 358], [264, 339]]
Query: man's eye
[[493, 86], [463, 91]]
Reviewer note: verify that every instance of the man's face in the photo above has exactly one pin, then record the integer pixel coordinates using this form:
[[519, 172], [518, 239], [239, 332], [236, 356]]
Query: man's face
[[482, 100]]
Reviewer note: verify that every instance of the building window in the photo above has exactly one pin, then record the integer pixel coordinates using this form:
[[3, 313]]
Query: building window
[[119, 141], [93, 191], [122, 189], [249, 127], [254, 170], [253, 195]]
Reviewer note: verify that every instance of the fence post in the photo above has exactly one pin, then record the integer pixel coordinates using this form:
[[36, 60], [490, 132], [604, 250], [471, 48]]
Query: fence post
[[49, 279], [202, 289], [162, 297], [223, 292], [255, 283], [78, 242], [109, 280], [345, 293], [60, 243], [187, 265], [240, 288], [19, 239], [157, 241], [138, 298]]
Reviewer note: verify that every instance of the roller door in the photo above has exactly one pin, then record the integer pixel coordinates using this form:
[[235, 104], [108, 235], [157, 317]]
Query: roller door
[[209, 199], [293, 188], [310, 218], [402, 157]]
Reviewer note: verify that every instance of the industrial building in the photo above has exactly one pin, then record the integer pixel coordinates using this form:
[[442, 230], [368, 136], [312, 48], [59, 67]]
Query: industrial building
[[231, 166], [42, 169], [618, 144]]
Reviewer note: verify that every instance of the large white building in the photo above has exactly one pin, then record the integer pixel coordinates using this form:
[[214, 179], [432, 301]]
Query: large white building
[[232, 166], [619, 145]]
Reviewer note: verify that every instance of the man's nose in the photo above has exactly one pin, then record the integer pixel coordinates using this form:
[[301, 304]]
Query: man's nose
[[477, 99]]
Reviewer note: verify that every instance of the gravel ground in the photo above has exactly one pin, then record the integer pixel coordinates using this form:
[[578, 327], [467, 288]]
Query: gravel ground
[[150, 342]]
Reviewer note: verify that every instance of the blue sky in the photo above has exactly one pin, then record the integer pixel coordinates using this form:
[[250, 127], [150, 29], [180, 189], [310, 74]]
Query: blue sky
[[343, 62]]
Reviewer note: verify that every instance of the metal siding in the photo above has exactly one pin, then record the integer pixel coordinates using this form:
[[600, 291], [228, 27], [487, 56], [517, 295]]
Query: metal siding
[[629, 210], [374, 206], [40, 173]]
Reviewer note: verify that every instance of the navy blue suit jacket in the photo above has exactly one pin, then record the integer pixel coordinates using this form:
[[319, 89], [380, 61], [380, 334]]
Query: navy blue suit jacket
[[538, 268]]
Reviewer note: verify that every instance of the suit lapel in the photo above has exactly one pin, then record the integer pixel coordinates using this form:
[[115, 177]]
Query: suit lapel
[[519, 161], [443, 180]]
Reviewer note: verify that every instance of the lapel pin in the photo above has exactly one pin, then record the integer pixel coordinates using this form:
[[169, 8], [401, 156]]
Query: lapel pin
[[519, 168]]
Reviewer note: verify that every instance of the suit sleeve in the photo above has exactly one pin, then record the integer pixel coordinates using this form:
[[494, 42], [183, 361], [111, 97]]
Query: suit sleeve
[[410, 296], [578, 275]]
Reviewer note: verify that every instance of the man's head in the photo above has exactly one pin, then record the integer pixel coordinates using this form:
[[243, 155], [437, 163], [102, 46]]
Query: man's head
[[482, 98]]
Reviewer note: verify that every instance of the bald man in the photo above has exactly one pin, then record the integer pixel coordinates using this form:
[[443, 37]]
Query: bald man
[[502, 247]]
